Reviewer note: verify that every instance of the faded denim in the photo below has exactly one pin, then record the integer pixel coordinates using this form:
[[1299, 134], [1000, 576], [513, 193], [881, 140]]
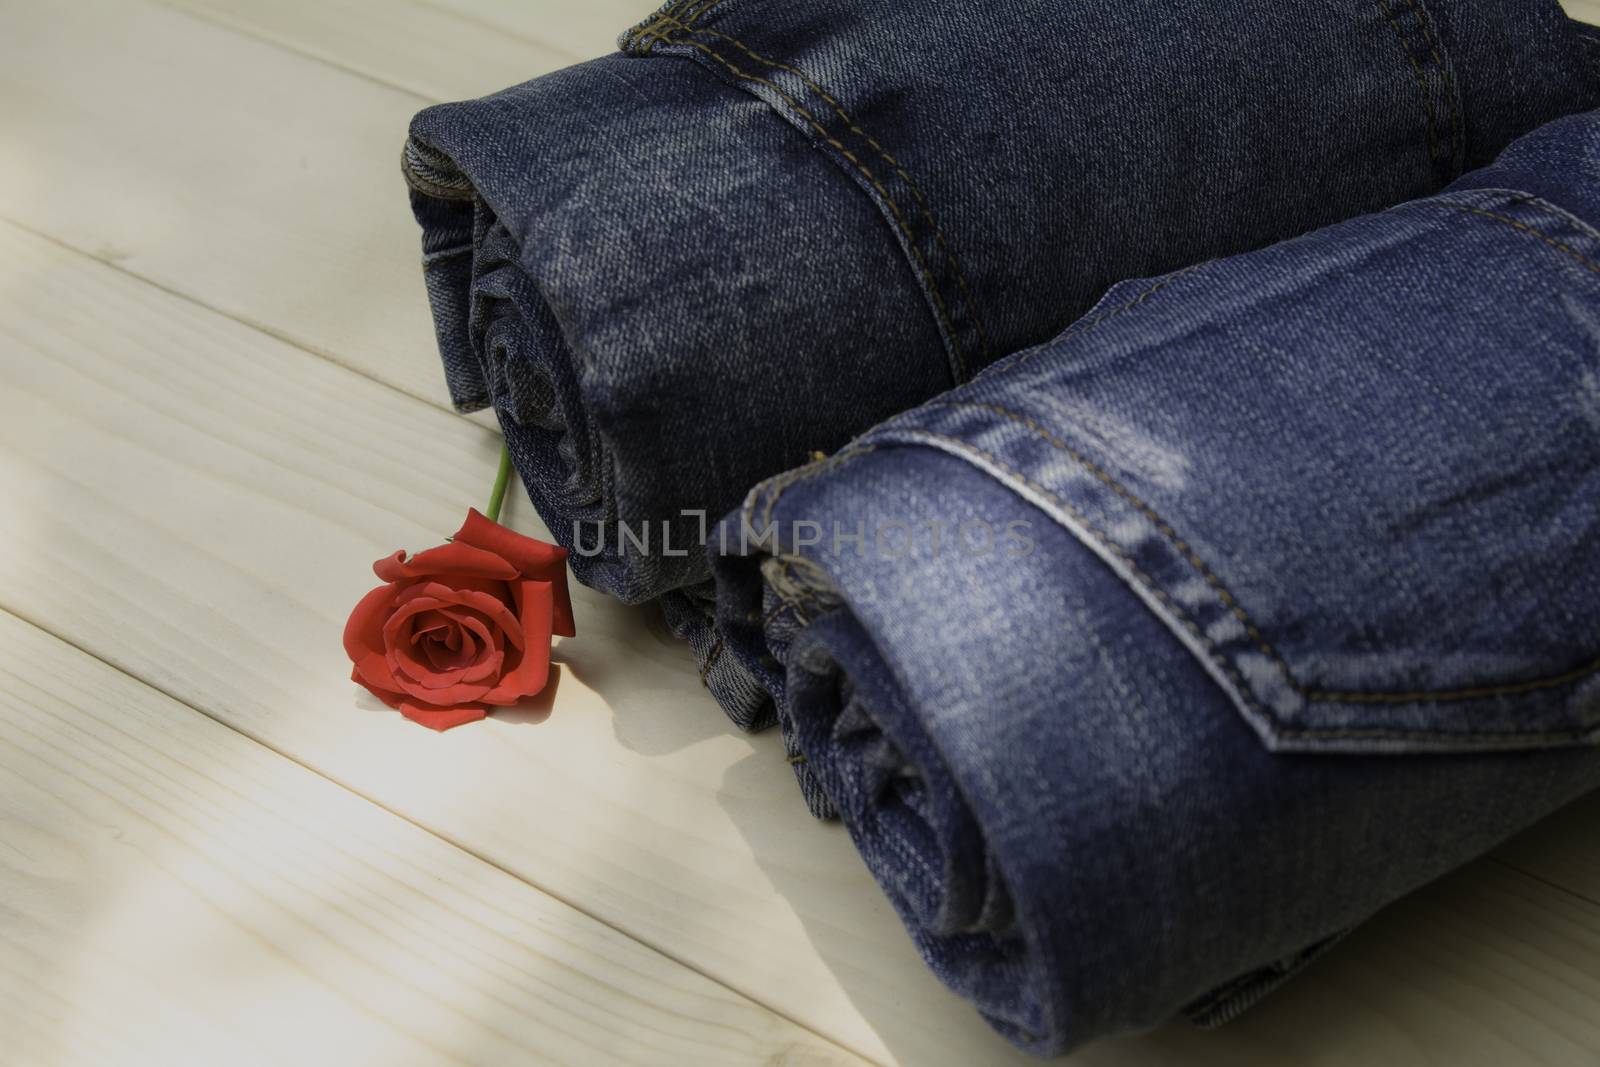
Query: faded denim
[[762, 227], [1309, 612]]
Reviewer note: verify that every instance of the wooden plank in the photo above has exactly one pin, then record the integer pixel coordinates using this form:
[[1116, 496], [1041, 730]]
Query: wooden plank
[[196, 503], [439, 49], [176, 893], [1563, 850], [258, 182]]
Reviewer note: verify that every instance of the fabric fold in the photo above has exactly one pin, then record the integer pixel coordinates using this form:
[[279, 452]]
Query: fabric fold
[[762, 228], [1147, 663]]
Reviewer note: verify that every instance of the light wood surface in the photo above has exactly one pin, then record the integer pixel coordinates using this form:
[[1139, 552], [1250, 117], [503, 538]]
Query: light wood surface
[[176, 893], [219, 401]]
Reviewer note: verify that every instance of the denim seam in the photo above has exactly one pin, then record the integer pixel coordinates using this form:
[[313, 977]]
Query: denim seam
[[705, 6], [762, 623], [1458, 146], [652, 36], [1237, 609], [701, 7], [1241, 687], [1421, 78], [804, 598], [711, 659], [1523, 227], [899, 168], [783, 482], [1416, 72], [1234, 998]]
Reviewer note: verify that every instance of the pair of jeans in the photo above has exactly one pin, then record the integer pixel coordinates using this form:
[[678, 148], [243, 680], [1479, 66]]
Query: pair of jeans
[[1158, 655], [760, 228]]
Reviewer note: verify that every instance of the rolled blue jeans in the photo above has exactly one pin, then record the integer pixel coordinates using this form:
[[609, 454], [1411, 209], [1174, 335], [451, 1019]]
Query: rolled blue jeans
[[1150, 660], [762, 227]]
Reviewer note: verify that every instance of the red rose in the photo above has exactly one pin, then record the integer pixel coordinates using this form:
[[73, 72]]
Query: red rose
[[461, 627]]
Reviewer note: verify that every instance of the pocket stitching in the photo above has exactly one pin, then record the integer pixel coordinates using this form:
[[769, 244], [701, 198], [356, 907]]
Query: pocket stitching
[[1241, 687], [1523, 227], [1237, 609]]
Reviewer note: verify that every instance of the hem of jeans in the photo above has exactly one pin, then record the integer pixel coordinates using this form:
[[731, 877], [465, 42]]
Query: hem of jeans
[[1042, 1036], [433, 173], [1232, 999]]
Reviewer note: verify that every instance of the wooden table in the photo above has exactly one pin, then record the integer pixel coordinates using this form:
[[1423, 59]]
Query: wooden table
[[219, 401]]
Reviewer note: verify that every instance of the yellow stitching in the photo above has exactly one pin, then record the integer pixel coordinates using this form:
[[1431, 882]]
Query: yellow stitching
[[711, 658], [632, 40], [1161, 524], [1422, 81], [1508, 689], [779, 485], [1524, 228], [1228, 669], [706, 6], [916, 190], [1227, 597]]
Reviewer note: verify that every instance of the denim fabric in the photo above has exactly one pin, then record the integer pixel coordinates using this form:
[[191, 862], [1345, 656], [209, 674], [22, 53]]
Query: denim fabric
[[763, 227], [1156, 656]]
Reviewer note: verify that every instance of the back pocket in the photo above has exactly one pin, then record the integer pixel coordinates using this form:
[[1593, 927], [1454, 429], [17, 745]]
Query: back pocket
[[1358, 474]]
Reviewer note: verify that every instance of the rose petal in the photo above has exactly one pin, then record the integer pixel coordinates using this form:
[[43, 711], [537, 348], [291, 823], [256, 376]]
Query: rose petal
[[499, 614], [439, 637], [453, 559], [424, 684], [483, 654], [442, 719], [528, 674], [432, 624], [491, 654], [363, 636], [419, 662], [532, 558], [388, 696]]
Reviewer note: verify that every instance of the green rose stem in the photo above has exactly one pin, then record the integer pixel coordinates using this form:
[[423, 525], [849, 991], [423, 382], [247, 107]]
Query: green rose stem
[[497, 495]]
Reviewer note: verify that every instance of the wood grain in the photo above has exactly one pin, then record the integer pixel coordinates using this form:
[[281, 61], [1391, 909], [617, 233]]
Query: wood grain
[[195, 502], [437, 49], [255, 181], [176, 893]]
